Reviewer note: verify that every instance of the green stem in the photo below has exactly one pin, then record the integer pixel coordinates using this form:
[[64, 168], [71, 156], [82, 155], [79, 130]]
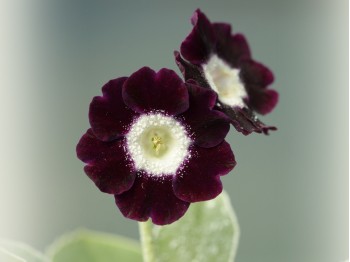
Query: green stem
[[146, 241]]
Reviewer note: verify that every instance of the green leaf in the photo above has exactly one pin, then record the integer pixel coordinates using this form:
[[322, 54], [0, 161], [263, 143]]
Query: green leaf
[[208, 232], [7, 256], [89, 246], [11, 251]]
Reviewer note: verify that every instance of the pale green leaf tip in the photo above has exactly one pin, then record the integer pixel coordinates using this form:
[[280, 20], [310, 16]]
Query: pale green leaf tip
[[237, 234], [18, 249], [82, 234], [7, 256]]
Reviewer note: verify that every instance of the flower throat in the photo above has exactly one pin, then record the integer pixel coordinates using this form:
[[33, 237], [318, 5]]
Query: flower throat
[[157, 143]]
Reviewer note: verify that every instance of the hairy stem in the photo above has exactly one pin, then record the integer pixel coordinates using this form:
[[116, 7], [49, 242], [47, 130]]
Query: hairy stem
[[145, 229]]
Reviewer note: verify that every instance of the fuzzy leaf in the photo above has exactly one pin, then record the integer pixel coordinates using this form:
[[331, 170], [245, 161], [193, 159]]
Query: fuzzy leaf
[[88, 246], [7, 256], [11, 251], [208, 232]]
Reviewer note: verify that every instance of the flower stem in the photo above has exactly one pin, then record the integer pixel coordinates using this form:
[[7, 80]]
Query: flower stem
[[145, 229]]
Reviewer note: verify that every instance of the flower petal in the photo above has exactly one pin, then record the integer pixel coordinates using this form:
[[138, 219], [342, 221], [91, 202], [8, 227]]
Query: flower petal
[[209, 127], [109, 116], [200, 43], [146, 91], [262, 101], [245, 121], [229, 47], [151, 197], [222, 31], [107, 165], [190, 71], [254, 73], [200, 178]]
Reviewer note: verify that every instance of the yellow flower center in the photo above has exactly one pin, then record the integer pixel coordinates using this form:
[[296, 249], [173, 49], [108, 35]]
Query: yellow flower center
[[157, 143]]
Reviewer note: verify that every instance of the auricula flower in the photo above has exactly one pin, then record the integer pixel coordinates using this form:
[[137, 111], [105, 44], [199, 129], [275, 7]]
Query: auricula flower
[[156, 144], [221, 61]]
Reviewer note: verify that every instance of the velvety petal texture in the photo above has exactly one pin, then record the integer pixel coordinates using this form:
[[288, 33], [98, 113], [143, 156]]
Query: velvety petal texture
[[109, 116], [200, 43], [254, 73], [200, 179], [191, 71], [107, 164], [262, 101], [152, 197], [136, 123], [209, 126], [146, 91], [233, 50]]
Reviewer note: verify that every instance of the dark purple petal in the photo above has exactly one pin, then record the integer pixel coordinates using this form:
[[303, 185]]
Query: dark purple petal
[[146, 91], [222, 32], [190, 71], [254, 73], [233, 50], [208, 127], [262, 101], [199, 44], [107, 165], [152, 197], [245, 121], [90, 149], [109, 116], [199, 180]]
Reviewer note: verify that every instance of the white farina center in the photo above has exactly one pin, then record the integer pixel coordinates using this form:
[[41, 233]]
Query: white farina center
[[157, 144], [225, 81]]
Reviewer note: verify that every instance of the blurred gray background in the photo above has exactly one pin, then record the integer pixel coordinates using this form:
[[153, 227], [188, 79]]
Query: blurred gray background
[[289, 190]]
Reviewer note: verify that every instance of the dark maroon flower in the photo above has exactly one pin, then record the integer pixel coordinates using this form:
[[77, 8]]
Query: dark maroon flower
[[157, 144], [221, 61]]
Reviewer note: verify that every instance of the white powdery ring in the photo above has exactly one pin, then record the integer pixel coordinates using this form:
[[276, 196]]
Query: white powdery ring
[[225, 81], [158, 144]]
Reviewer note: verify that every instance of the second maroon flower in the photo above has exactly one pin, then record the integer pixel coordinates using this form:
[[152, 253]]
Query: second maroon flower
[[221, 61]]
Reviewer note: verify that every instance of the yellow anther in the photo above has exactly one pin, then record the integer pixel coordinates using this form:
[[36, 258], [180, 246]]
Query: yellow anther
[[157, 142]]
